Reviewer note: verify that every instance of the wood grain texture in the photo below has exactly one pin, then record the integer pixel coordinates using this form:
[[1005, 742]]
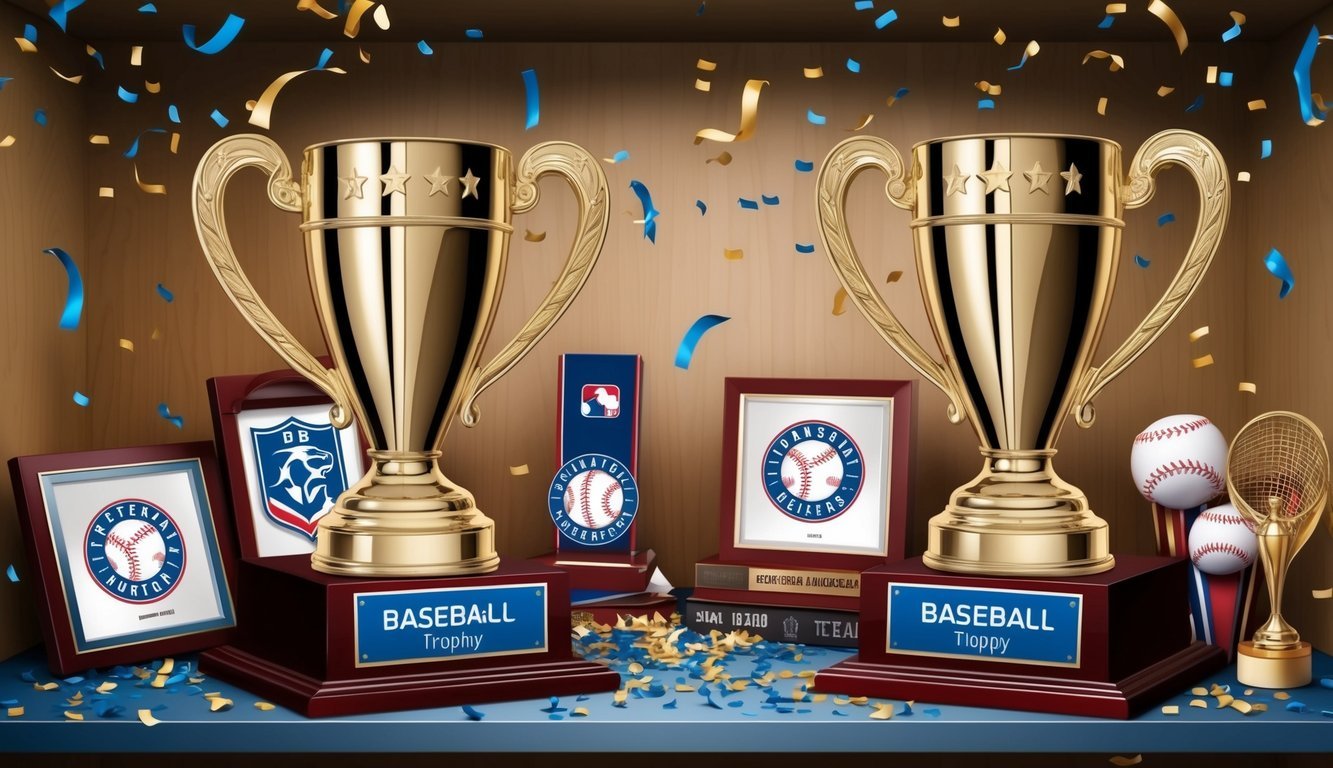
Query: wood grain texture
[[44, 191]]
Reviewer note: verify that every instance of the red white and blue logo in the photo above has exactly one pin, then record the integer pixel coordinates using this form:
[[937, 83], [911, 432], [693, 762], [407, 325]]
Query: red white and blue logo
[[133, 550], [593, 499], [813, 471], [301, 472], [600, 401]]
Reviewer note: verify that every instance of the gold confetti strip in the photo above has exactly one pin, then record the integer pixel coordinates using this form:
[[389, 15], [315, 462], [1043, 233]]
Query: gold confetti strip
[[75, 79], [152, 189], [352, 27], [1202, 362], [106, 191], [952, 21], [72, 715], [1322, 594], [999, 37], [109, 686], [1125, 761], [865, 120], [580, 712], [14, 711], [1198, 703], [533, 237], [26, 45], [365, 57], [1163, 11], [1260, 707], [1242, 706], [1211, 76], [749, 115], [1282, 695], [175, 142], [733, 254], [99, 138], [1243, 176], [894, 276], [819, 698], [683, 688], [1249, 691], [882, 711], [1101, 106], [1114, 8], [621, 697], [722, 159], [859, 701], [152, 87], [813, 73], [314, 7], [1257, 105], [136, 56], [381, 17], [146, 717], [1171, 709], [1117, 62], [264, 106], [519, 471], [156, 335], [1165, 90], [192, 680], [7, 141], [786, 674], [1198, 333], [1224, 700], [702, 85], [988, 88], [45, 686], [219, 704], [635, 668], [705, 65], [1247, 386], [838, 299]]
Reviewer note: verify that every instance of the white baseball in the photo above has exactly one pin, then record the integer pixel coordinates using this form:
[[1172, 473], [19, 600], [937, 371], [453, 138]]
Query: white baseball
[[1222, 541], [135, 550], [594, 498], [812, 470], [1180, 461]]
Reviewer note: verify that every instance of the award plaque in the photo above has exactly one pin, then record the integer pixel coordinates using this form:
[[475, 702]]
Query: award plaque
[[593, 500], [1018, 601], [404, 602]]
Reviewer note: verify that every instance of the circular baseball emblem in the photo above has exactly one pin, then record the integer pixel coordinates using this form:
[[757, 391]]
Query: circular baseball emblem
[[812, 471], [593, 499], [134, 552]]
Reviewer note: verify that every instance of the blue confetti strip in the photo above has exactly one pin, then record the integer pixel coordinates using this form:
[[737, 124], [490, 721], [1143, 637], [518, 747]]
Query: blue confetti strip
[[97, 57], [685, 352], [30, 33], [1296, 706], [804, 166], [1326, 682], [1021, 62], [886, 19], [425, 48], [165, 412], [620, 157], [803, 248], [59, 12], [650, 213], [220, 40], [1265, 149], [164, 293], [1233, 33], [4, 80], [985, 104], [80, 399], [1304, 96], [39, 117], [1142, 262], [532, 98], [148, 8], [748, 205], [473, 34], [219, 118], [703, 209], [769, 200], [814, 117], [1195, 105], [853, 65], [1106, 22], [1225, 79], [473, 713], [173, 114], [129, 97], [901, 92], [1277, 267], [13, 576], [324, 57], [669, 705], [1165, 219], [69, 317], [864, 5], [134, 148]]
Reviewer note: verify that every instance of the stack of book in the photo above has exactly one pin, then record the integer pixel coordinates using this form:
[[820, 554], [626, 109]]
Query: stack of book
[[780, 603]]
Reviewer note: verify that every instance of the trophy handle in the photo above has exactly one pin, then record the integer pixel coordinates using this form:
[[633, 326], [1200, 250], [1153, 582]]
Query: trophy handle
[[588, 182], [847, 160], [1204, 162], [216, 168]]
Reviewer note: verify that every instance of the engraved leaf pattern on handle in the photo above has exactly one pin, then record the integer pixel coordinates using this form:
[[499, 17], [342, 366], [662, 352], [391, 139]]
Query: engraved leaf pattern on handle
[[219, 164], [847, 160], [589, 185], [1205, 164]]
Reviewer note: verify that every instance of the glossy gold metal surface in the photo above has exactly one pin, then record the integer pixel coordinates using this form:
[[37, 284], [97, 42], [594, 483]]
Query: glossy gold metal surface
[[406, 244], [1277, 476], [1017, 241]]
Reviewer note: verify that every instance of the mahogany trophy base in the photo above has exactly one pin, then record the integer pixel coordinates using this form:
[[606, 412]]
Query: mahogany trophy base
[[320, 644], [1113, 644], [626, 572]]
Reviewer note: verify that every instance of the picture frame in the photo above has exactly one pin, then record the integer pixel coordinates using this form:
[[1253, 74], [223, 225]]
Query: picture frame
[[845, 503], [131, 550], [252, 414]]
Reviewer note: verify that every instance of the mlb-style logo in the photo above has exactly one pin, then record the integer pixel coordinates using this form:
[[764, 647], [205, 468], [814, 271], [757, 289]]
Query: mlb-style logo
[[301, 472], [600, 401]]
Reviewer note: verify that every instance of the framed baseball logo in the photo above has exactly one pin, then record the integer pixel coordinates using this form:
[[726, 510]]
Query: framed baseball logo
[[817, 472], [131, 560]]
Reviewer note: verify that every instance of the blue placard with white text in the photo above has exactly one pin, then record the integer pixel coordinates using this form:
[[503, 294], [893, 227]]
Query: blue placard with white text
[[420, 625], [1004, 625]]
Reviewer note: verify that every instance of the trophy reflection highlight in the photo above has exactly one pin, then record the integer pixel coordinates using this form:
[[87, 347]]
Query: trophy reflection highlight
[[1017, 241], [1277, 476], [406, 244]]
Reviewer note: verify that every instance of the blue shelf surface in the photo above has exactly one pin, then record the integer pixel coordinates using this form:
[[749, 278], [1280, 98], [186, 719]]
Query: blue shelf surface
[[745, 721]]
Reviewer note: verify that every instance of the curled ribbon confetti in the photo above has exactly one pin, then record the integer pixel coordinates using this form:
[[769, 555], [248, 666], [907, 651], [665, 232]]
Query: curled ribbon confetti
[[619, 157], [314, 7], [534, 237], [69, 316], [165, 412], [220, 40], [749, 116], [685, 352], [814, 117], [1117, 62], [129, 97], [650, 213], [531, 98], [951, 21], [352, 27], [1304, 95], [1247, 386], [703, 209], [1141, 262], [1032, 49], [263, 111], [59, 12], [1163, 11], [1237, 19], [804, 166], [769, 200], [748, 204], [152, 189], [805, 247], [1277, 267], [901, 92]]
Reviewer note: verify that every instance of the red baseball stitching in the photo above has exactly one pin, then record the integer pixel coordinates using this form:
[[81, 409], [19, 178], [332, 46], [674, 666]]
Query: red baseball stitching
[[610, 491], [1223, 547], [586, 501], [1187, 467], [1216, 517], [128, 548], [824, 457], [802, 464], [1176, 431]]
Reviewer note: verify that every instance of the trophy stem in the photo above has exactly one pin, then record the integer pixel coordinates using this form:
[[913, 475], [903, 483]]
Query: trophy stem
[[405, 518], [1275, 551], [1018, 518]]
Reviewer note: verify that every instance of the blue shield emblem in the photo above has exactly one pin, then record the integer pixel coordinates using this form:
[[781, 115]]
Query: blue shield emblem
[[301, 472]]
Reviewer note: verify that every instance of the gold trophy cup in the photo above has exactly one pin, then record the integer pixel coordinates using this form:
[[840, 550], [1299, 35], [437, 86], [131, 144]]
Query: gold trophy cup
[[1277, 476], [1017, 245], [406, 244]]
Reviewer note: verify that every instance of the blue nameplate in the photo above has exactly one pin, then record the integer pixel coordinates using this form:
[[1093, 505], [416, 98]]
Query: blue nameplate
[[420, 625], [1003, 625]]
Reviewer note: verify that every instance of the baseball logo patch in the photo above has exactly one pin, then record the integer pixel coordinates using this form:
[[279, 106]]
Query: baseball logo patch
[[134, 551], [813, 471], [593, 499], [301, 471], [600, 401]]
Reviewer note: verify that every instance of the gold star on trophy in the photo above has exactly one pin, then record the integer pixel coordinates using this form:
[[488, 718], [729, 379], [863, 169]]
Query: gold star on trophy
[[470, 184], [996, 178], [438, 184], [1071, 178], [956, 181], [1037, 178], [393, 181], [352, 185]]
